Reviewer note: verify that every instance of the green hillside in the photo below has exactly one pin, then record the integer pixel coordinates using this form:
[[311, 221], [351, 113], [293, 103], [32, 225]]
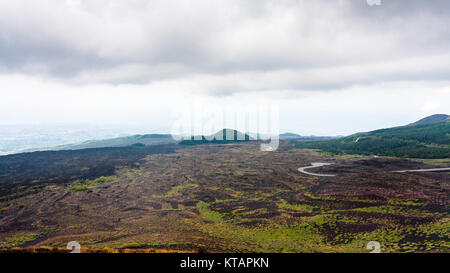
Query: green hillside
[[429, 140]]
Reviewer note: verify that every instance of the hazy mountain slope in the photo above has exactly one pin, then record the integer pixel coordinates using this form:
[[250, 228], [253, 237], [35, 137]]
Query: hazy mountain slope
[[291, 136], [432, 119], [429, 140], [152, 139], [158, 139]]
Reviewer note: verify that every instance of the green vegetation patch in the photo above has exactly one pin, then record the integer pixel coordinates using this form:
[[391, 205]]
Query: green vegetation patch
[[298, 207], [87, 183], [423, 238], [410, 203], [79, 188], [133, 245], [275, 238], [393, 210], [208, 214], [332, 219], [279, 193], [178, 189], [19, 239], [242, 212], [98, 181]]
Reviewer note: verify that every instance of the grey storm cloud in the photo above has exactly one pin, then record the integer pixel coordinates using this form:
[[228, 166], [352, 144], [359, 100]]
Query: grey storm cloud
[[228, 46]]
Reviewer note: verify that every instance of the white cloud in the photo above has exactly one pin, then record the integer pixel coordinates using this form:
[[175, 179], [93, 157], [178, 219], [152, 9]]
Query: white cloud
[[105, 60], [430, 107], [72, 38], [33, 100]]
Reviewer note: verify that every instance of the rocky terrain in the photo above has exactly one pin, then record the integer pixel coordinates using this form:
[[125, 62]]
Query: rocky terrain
[[220, 198]]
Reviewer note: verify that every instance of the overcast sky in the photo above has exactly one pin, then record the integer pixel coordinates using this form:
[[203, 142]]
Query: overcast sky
[[333, 67]]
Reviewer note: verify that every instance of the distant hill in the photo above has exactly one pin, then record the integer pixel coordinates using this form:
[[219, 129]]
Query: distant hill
[[432, 119], [427, 138], [292, 136], [148, 140], [222, 137], [289, 136]]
